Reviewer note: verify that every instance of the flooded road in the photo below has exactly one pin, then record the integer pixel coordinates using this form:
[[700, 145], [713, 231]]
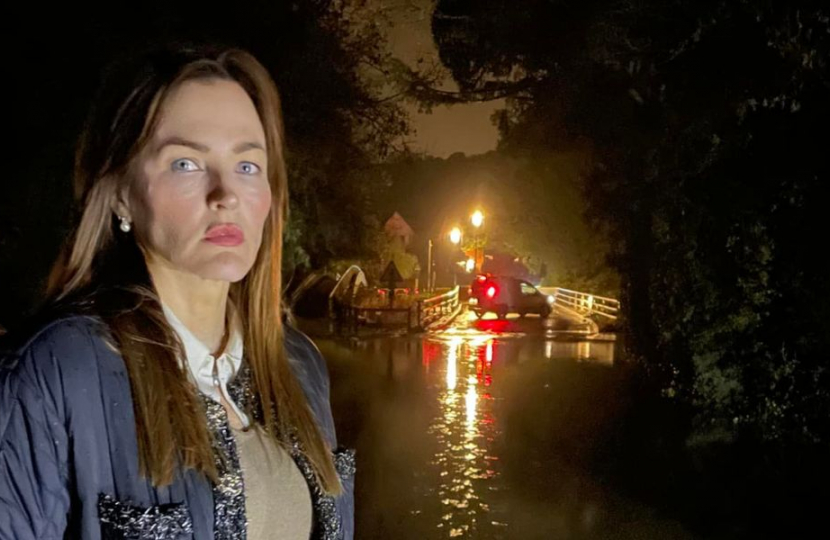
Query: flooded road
[[489, 429]]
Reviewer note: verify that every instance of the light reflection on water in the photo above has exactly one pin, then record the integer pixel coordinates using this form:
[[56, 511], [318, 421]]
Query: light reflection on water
[[600, 352], [465, 430], [466, 427], [477, 434]]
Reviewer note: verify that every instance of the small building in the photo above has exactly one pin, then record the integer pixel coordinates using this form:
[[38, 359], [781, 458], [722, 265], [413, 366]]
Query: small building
[[397, 228]]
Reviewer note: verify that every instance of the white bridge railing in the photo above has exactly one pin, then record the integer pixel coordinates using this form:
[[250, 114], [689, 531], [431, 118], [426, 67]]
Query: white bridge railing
[[585, 304]]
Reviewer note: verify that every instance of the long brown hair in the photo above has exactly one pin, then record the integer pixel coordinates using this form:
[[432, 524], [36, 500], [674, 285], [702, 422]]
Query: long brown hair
[[103, 270]]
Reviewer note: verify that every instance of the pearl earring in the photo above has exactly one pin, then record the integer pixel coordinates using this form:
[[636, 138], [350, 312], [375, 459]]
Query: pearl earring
[[125, 224]]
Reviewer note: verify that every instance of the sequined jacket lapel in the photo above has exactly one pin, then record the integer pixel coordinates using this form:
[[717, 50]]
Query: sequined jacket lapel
[[229, 495]]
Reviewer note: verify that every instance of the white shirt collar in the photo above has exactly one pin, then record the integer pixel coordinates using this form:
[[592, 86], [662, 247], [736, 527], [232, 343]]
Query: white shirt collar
[[200, 360]]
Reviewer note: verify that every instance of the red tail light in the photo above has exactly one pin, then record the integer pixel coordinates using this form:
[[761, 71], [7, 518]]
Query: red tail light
[[492, 291]]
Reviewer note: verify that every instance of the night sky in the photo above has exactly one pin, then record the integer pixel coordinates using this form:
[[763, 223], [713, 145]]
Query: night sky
[[448, 129]]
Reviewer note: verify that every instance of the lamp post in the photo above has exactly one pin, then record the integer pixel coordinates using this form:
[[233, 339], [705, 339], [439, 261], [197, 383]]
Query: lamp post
[[477, 220], [429, 267], [455, 235], [455, 238]]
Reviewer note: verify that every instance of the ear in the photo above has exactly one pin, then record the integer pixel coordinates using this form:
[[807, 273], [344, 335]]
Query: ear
[[120, 203]]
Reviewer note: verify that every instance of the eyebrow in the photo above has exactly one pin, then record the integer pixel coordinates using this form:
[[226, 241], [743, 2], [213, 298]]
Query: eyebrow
[[199, 147], [244, 147]]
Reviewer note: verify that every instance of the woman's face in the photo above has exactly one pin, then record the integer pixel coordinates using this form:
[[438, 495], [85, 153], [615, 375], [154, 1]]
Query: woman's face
[[201, 195]]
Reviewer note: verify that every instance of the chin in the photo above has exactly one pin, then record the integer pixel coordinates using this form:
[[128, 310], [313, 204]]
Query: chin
[[226, 270]]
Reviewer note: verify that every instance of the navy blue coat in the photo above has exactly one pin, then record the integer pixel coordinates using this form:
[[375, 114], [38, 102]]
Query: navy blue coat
[[67, 440]]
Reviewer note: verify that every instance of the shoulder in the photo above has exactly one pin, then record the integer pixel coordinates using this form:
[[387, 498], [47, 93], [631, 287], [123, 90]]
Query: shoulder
[[60, 337], [41, 358], [305, 357], [310, 369], [296, 340]]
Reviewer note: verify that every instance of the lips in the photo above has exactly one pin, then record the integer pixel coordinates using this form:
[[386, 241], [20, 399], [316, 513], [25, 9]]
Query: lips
[[225, 234]]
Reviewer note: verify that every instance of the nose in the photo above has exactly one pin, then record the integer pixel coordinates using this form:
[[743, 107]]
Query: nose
[[221, 194]]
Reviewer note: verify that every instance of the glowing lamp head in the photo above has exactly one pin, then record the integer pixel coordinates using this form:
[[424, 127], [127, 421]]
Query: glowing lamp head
[[477, 219]]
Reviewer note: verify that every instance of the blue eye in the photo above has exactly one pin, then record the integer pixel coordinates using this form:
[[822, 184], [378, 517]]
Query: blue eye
[[184, 165], [246, 167]]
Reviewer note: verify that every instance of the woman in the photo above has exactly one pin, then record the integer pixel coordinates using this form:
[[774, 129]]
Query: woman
[[168, 400]]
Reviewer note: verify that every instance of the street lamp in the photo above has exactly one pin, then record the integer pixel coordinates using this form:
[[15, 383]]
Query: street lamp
[[478, 220], [429, 266], [455, 238], [455, 235]]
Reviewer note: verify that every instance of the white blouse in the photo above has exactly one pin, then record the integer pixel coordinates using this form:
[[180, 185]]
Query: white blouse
[[277, 500]]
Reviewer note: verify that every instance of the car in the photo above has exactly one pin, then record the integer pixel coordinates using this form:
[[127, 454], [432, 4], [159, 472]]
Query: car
[[503, 295]]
